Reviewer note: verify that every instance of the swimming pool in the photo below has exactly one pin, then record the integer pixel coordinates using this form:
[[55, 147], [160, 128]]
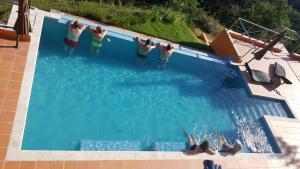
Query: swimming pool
[[110, 99]]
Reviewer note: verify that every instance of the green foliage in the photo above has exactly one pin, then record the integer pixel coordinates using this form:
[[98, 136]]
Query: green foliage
[[146, 15], [188, 7], [269, 13], [176, 32], [161, 14], [157, 21], [206, 23], [261, 13], [295, 20], [231, 13], [4, 11], [272, 14]]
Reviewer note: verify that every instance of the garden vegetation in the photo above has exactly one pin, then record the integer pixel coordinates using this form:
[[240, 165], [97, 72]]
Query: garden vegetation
[[179, 20]]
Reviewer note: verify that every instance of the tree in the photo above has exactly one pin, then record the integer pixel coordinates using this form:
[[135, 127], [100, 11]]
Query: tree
[[189, 7], [282, 11], [229, 15], [295, 20]]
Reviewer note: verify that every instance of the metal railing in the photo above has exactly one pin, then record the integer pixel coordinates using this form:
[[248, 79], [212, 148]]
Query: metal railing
[[256, 32]]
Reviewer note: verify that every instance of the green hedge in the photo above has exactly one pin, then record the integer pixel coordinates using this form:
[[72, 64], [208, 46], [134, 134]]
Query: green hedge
[[5, 8]]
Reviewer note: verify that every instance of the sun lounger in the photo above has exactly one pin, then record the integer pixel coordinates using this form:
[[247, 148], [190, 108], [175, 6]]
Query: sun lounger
[[258, 76], [280, 72]]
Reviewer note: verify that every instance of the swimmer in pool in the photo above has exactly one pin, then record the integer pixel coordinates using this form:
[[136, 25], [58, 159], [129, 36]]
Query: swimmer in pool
[[74, 31], [227, 148], [144, 48], [165, 53], [98, 35], [195, 147]]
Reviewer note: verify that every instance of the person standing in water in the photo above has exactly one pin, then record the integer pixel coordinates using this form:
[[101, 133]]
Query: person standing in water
[[74, 31], [144, 48], [98, 35], [165, 53]]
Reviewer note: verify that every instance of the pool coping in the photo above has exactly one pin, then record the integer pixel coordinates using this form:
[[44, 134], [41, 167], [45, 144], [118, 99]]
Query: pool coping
[[14, 151]]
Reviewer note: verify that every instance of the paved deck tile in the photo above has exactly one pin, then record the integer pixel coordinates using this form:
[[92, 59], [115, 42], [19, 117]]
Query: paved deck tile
[[56, 165], [42, 165], [11, 165], [27, 165]]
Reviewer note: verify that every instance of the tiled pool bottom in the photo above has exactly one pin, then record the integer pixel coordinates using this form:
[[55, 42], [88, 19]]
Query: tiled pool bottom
[[187, 81]]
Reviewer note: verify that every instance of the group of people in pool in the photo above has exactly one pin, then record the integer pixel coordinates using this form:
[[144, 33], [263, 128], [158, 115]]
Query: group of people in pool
[[144, 46], [74, 31], [204, 147]]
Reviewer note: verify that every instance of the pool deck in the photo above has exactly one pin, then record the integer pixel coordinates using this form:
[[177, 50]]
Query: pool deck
[[289, 93], [14, 64]]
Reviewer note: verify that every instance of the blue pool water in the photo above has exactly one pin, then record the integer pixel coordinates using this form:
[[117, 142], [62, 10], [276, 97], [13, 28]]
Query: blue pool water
[[81, 99]]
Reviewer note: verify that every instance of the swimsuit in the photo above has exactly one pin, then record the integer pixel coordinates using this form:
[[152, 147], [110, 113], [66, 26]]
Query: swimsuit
[[96, 42], [164, 59], [164, 56], [72, 38], [71, 43], [193, 147]]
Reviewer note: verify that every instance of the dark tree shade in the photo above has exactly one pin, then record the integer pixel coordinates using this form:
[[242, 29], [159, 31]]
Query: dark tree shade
[[295, 4]]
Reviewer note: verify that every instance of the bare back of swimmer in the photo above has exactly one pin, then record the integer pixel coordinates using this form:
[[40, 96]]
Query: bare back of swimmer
[[196, 148]]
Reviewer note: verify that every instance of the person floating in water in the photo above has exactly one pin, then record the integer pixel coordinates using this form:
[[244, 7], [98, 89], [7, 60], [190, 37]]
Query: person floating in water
[[74, 32], [196, 148], [98, 35], [227, 148], [165, 53], [144, 47]]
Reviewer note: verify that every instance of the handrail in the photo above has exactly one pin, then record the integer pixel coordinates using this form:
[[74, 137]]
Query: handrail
[[244, 20]]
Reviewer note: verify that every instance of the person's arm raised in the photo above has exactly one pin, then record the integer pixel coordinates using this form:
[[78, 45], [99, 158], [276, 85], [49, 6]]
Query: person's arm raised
[[91, 29], [104, 33], [138, 40], [82, 26]]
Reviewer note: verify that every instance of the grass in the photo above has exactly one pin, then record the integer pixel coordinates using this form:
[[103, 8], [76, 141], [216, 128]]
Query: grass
[[4, 12], [154, 21]]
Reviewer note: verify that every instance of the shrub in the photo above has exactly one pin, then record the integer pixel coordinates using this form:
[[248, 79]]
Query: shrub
[[4, 10], [108, 18], [189, 7], [206, 23], [161, 14], [165, 23]]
